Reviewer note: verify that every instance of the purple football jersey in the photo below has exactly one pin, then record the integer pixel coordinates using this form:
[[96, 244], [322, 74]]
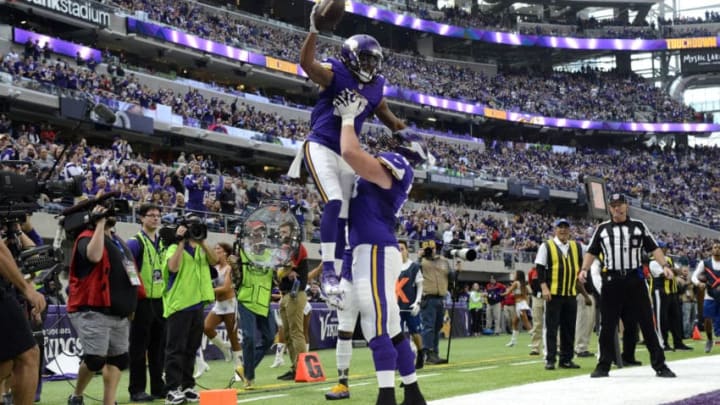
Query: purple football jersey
[[324, 123], [373, 210]]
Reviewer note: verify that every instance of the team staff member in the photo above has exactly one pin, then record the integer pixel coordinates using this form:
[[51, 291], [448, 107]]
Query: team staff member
[[102, 295], [147, 329], [621, 240], [666, 301], [436, 277], [538, 313], [409, 291], [254, 298], [292, 304], [557, 262], [707, 277], [19, 353], [188, 288]]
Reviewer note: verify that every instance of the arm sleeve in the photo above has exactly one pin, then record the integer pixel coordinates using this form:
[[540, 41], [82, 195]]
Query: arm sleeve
[[83, 266], [35, 237], [594, 247], [698, 271], [649, 242], [134, 247], [655, 269]]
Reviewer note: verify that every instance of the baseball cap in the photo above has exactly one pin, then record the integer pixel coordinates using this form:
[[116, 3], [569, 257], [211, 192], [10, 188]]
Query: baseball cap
[[561, 222], [617, 198], [254, 225], [662, 244]]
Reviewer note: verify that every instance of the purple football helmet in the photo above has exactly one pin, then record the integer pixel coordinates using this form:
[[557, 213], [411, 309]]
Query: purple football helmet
[[362, 55], [408, 144]]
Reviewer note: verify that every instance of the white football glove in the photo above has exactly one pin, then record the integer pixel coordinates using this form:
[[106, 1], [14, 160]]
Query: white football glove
[[313, 29], [348, 105], [415, 308]]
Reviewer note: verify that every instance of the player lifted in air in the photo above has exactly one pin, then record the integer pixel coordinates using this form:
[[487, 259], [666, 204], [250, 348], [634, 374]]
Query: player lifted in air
[[358, 69]]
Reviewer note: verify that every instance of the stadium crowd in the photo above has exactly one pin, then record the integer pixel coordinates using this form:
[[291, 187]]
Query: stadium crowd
[[229, 197], [536, 165], [587, 94]]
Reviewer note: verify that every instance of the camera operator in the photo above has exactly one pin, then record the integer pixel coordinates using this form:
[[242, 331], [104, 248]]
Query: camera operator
[[293, 280], [188, 281], [19, 353], [437, 275], [103, 296], [254, 298], [147, 330]]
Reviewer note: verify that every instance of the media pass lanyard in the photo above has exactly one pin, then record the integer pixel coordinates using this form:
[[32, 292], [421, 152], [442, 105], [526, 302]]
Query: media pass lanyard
[[154, 259], [128, 264]]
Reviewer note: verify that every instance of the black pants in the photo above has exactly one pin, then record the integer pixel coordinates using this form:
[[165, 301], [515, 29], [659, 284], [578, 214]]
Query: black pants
[[626, 294], [147, 341], [668, 315], [560, 313], [184, 336], [476, 321]]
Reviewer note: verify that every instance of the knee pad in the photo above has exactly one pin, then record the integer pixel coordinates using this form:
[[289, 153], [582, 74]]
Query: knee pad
[[94, 363], [120, 361]]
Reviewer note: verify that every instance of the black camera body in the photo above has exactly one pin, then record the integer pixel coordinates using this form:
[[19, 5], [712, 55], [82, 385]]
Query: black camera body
[[80, 216], [196, 230]]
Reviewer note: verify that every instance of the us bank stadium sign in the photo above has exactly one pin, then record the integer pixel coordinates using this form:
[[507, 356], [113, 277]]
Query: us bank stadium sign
[[83, 10]]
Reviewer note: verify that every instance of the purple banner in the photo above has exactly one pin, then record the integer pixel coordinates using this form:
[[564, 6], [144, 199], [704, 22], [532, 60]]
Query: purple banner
[[66, 48], [509, 38]]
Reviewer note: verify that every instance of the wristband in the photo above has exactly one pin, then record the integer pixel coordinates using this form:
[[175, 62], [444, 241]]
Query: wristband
[[348, 121]]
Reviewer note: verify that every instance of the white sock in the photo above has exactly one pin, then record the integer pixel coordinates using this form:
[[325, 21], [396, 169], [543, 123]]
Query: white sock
[[218, 342], [343, 353], [280, 349], [238, 358]]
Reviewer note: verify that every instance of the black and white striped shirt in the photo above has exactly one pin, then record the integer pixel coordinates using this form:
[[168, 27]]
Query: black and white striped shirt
[[622, 243]]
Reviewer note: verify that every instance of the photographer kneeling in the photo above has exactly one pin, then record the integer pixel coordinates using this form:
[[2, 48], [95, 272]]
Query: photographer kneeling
[[103, 294], [188, 288]]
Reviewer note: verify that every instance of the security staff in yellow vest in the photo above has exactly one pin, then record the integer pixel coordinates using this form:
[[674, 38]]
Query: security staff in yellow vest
[[666, 303], [558, 262], [147, 329], [188, 287], [254, 298]]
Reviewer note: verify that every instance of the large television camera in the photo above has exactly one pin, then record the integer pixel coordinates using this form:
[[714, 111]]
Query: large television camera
[[80, 216], [20, 189], [197, 230], [46, 264]]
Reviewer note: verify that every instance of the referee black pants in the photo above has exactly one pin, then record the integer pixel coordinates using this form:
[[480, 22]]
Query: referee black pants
[[560, 313], [147, 342], [626, 294]]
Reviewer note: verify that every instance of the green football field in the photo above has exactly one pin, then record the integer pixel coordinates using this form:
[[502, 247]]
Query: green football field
[[476, 364]]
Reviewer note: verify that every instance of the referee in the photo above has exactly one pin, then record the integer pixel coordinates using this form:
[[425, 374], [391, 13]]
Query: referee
[[621, 241]]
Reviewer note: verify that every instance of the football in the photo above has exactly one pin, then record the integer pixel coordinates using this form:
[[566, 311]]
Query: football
[[328, 14]]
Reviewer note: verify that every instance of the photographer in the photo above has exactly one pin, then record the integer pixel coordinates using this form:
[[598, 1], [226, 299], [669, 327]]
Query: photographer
[[437, 275], [254, 298], [188, 282], [292, 283], [19, 353], [147, 330], [103, 296]]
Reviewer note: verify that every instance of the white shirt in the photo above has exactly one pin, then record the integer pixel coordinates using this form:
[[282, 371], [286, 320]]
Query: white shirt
[[542, 254]]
